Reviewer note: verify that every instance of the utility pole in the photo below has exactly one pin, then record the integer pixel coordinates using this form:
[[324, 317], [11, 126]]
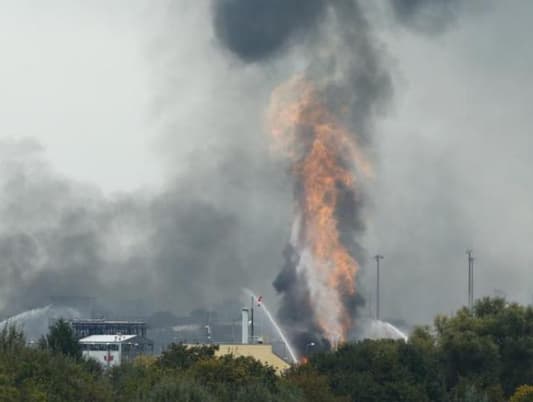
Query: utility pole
[[470, 279], [252, 320], [378, 258]]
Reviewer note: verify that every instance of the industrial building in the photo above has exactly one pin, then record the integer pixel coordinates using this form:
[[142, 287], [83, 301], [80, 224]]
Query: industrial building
[[112, 342], [251, 346], [260, 352], [112, 350], [85, 328]]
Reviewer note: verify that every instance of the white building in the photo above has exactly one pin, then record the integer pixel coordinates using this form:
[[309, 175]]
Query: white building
[[112, 350]]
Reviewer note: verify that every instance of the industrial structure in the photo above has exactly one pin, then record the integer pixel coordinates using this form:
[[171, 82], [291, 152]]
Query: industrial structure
[[250, 345], [112, 350], [112, 342], [260, 352], [84, 328]]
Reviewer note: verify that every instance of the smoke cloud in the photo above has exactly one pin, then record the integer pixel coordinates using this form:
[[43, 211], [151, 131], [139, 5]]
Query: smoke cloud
[[172, 250], [193, 243], [453, 164], [429, 16], [255, 30]]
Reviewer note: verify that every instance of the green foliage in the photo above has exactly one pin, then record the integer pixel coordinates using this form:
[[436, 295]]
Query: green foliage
[[8, 392], [229, 376], [524, 393], [234, 372], [313, 386], [472, 394], [11, 340], [178, 390], [479, 355], [258, 392], [38, 375], [180, 356], [131, 382], [483, 355], [194, 373], [61, 339], [491, 345], [384, 370]]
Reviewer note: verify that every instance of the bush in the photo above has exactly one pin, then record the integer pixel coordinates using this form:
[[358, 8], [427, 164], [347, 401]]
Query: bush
[[482, 355], [180, 356], [178, 390], [523, 393], [61, 339]]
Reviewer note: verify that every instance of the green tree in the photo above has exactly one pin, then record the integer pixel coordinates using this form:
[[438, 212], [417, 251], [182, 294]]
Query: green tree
[[258, 392], [61, 339], [472, 394], [314, 386], [12, 339], [491, 346], [132, 382], [371, 371], [9, 394], [179, 390], [234, 372], [524, 393], [180, 356]]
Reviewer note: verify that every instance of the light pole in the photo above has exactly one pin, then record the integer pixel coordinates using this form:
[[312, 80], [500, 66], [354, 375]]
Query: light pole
[[378, 257], [208, 332], [470, 279]]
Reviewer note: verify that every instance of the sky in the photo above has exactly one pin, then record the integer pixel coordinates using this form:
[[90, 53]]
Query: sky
[[455, 164], [76, 77], [132, 115]]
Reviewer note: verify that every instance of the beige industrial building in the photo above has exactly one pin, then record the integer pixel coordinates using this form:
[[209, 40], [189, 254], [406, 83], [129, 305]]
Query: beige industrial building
[[260, 352]]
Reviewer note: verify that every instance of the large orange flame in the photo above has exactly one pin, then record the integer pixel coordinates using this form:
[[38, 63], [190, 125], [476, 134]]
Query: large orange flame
[[324, 158]]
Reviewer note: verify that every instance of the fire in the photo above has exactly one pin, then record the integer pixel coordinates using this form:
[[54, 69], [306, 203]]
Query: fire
[[324, 157]]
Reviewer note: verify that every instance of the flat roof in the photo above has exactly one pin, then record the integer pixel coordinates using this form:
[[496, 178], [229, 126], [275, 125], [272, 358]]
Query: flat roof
[[107, 338], [99, 321]]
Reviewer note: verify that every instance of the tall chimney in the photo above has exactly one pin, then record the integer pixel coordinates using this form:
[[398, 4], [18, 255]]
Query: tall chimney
[[244, 315]]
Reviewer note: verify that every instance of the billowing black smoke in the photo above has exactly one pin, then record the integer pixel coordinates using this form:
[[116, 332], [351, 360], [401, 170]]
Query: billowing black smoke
[[257, 29], [347, 64], [295, 311]]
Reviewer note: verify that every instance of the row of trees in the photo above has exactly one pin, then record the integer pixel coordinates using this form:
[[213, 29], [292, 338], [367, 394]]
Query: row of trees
[[481, 355], [484, 355]]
